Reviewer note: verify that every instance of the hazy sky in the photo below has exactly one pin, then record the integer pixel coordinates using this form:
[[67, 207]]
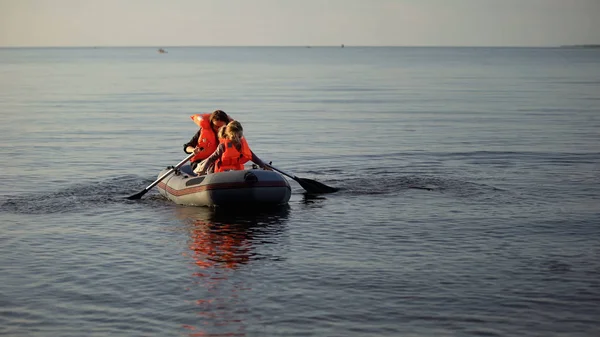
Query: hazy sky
[[298, 22]]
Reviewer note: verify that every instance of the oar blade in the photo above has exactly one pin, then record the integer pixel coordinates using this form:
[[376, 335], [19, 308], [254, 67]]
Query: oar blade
[[138, 195], [315, 187]]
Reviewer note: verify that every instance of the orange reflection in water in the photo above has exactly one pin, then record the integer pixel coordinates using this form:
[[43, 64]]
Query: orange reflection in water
[[220, 244]]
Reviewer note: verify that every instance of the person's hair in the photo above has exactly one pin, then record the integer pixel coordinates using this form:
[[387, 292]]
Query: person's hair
[[219, 115], [231, 132]]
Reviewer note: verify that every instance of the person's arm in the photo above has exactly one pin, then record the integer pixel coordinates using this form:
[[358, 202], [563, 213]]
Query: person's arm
[[208, 162], [259, 162], [191, 145]]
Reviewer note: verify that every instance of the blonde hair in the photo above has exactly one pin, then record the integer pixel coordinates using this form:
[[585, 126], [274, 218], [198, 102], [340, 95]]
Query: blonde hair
[[233, 132]]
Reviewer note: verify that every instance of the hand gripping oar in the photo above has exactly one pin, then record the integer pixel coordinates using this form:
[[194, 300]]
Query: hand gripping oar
[[311, 186], [144, 191]]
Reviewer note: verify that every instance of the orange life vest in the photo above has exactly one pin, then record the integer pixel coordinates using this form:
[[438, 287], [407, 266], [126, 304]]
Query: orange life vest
[[207, 141], [232, 159]]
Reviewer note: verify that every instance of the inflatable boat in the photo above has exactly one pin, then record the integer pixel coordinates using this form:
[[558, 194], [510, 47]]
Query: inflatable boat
[[232, 188]]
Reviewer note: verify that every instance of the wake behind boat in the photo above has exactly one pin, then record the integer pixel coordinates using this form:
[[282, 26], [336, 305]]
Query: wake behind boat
[[239, 188]]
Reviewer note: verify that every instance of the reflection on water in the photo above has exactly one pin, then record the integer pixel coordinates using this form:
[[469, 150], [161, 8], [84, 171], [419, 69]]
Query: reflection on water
[[221, 243], [312, 199]]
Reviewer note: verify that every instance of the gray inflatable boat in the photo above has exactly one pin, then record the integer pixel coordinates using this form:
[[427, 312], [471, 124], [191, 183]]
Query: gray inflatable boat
[[231, 188]]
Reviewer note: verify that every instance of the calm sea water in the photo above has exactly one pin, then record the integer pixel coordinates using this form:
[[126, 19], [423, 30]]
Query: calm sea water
[[500, 237]]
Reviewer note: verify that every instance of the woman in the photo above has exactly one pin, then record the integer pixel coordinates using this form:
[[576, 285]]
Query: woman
[[231, 154], [205, 141]]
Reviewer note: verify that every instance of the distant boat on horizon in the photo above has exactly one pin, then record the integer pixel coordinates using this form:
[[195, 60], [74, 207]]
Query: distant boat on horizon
[[162, 51]]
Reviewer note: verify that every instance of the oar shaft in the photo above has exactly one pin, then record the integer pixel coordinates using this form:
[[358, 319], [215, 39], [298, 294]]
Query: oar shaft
[[185, 160], [180, 164], [282, 172], [160, 179], [140, 194], [309, 185]]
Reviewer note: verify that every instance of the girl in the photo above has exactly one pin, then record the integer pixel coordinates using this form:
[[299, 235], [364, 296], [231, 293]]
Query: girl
[[231, 154]]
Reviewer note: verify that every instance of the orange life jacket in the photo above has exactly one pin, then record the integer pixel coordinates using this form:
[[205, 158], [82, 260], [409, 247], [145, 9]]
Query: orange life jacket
[[207, 141], [232, 159]]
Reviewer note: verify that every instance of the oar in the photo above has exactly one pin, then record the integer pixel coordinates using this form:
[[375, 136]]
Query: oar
[[144, 191], [311, 186]]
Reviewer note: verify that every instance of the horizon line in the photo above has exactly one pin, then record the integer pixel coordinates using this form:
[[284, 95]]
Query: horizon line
[[305, 46]]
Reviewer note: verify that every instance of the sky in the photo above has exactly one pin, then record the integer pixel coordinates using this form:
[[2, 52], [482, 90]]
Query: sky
[[298, 22]]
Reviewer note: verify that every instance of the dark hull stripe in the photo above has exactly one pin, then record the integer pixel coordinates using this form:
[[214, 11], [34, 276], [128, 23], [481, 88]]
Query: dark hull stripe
[[219, 186]]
